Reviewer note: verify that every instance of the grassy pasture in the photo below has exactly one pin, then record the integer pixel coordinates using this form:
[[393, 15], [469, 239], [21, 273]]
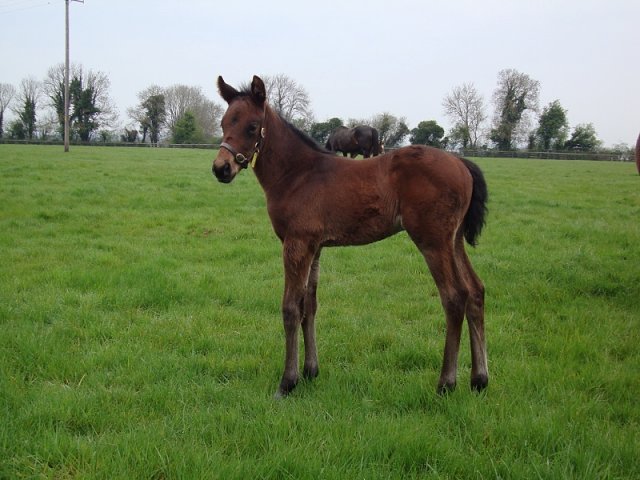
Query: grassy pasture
[[140, 330]]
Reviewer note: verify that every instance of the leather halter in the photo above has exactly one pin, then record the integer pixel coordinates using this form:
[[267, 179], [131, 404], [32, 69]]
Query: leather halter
[[240, 158]]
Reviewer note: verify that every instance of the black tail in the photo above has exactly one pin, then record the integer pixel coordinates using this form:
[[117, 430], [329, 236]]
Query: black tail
[[475, 218]]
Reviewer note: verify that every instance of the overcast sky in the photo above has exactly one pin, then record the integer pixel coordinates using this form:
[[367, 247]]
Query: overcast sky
[[354, 58]]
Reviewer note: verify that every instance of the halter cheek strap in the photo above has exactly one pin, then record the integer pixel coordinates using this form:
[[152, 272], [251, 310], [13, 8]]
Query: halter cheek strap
[[239, 158]]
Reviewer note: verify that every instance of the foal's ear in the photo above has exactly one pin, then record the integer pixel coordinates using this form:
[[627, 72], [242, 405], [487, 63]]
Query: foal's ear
[[258, 91], [227, 92]]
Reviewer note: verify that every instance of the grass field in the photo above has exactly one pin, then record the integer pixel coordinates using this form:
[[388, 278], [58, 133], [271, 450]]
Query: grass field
[[140, 330]]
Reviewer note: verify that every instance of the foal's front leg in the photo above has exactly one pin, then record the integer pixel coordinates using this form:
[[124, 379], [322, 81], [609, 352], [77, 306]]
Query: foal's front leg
[[297, 258], [311, 368]]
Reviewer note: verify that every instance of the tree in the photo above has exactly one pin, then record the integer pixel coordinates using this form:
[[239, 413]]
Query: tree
[[27, 104], [47, 125], [155, 114], [90, 106], [150, 113], [320, 131], [552, 126], [516, 93], [427, 133], [7, 92], [129, 135], [289, 99], [464, 106], [186, 129], [143, 113], [16, 130], [583, 138], [182, 98], [391, 130]]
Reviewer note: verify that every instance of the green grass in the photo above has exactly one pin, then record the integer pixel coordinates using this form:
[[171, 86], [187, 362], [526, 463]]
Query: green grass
[[140, 330]]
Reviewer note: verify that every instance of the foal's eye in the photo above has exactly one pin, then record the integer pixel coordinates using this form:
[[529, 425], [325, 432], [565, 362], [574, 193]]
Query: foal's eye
[[252, 128]]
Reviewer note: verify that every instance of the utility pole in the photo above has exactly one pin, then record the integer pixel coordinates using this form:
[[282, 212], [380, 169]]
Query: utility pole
[[66, 73]]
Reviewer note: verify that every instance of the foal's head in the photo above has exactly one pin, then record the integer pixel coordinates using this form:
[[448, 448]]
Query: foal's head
[[242, 126]]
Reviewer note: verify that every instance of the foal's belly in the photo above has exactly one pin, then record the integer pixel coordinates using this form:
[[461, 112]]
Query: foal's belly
[[362, 231]]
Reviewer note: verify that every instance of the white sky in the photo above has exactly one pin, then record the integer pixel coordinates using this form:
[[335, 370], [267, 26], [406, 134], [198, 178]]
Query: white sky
[[354, 58]]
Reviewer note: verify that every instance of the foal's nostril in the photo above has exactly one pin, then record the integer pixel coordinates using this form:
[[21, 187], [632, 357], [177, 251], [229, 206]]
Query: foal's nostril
[[223, 173]]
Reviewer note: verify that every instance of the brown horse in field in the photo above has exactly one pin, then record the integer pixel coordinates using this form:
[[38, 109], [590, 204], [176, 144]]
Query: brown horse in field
[[316, 199]]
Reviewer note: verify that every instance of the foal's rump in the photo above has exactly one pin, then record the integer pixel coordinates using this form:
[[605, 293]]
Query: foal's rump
[[450, 188]]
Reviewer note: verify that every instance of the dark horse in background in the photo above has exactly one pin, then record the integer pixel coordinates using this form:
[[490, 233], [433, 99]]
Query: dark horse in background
[[316, 199], [358, 140]]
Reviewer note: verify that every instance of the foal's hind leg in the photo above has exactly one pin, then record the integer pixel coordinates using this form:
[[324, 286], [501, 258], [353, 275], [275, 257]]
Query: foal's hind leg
[[453, 295], [475, 319], [440, 255]]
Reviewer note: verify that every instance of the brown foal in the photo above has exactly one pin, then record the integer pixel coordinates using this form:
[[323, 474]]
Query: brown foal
[[316, 199]]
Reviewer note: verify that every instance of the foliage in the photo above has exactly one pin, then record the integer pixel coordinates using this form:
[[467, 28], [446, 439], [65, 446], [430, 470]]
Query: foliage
[[428, 133], [289, 99], [320, 131], [27, 104], [187, 130], [141, 332], [129, 135], [391, 129], [465, 108], [155, 114], [182, 98], [7, 92], [516, 93], [27, 117], [17, 130], [583, 138], [151, 113], [90, 104], [553, 127], [84, 112]]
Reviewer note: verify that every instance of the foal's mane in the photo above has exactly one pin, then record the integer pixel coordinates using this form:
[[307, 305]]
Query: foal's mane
[[306, 139], [245, 91]]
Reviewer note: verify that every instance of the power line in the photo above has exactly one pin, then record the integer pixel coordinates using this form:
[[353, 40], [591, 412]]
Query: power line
[[15, 6]]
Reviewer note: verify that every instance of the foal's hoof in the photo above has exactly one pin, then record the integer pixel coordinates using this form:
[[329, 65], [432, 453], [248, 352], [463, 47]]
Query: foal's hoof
[[285, 388], [479, 383], [446, 388], [310, 373]]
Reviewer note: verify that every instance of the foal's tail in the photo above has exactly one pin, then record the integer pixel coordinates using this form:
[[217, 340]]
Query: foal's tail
[[475, 218]]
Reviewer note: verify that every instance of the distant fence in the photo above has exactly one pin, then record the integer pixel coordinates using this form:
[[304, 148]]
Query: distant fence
[[610, 157]]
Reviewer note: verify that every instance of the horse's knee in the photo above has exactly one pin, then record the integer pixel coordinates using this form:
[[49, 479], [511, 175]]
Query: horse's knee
[[291, 316]]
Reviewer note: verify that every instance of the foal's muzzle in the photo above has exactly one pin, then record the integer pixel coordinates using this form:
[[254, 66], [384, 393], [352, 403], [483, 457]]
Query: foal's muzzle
[[223, 173]]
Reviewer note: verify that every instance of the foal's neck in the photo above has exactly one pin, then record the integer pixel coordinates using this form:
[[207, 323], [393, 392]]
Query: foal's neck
[[283, 154]]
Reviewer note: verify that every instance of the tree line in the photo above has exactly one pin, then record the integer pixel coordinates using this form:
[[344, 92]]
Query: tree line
[[183, 114]]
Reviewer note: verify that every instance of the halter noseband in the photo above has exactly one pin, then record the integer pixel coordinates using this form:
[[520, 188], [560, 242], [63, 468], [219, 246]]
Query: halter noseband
[[239, 158]]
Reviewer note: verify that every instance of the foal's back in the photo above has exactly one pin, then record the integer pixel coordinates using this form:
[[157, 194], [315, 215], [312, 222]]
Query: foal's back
[[351, 202]]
